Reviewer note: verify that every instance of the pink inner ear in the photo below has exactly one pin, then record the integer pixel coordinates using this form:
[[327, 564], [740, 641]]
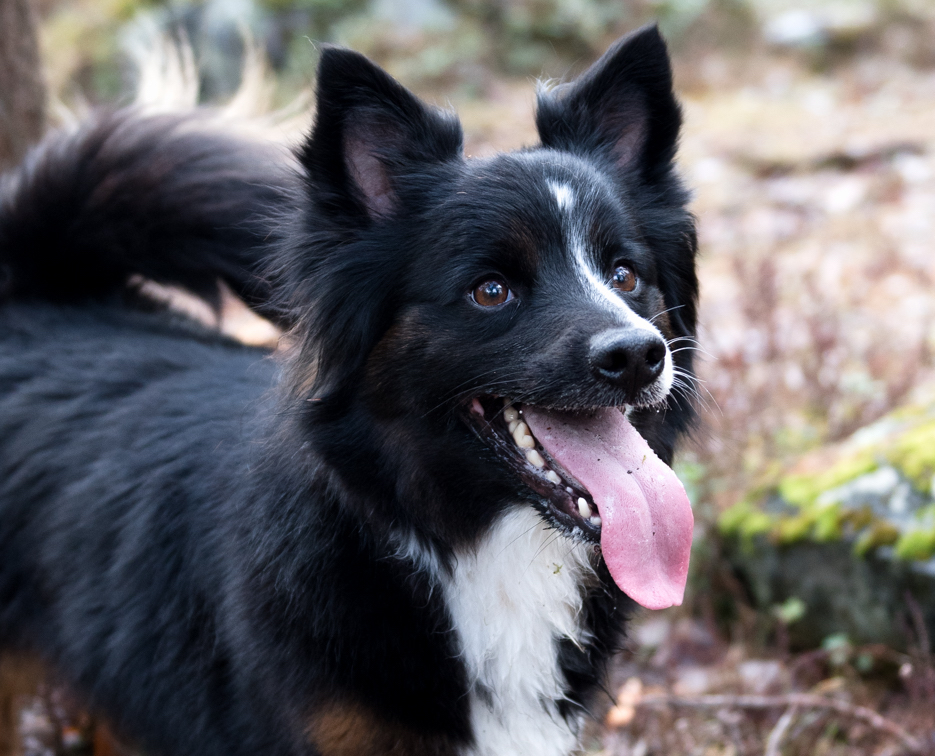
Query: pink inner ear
[[629, 143], [369, 173], [626, 127]]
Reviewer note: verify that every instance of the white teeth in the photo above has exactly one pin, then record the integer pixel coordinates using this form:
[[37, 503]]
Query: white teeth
[[535, 458], [523, 437], [584, 509]]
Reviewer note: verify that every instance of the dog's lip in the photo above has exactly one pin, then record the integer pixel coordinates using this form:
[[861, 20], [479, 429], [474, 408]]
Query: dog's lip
[[567, 503]]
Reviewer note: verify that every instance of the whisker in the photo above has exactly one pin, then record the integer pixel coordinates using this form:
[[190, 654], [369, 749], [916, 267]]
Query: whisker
[[697, 345], [660, 314]]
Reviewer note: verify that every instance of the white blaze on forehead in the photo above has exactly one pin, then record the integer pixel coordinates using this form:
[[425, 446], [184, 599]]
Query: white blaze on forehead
[[593, 280], [564, 195]]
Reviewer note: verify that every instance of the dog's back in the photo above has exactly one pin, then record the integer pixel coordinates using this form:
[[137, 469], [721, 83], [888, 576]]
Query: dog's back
[[110, 408]]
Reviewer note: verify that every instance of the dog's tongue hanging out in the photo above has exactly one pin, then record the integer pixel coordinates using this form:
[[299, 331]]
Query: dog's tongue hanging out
[[646, 530]]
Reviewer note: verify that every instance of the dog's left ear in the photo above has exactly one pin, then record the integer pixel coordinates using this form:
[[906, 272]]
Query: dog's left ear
[[622, 107], [369, 129]]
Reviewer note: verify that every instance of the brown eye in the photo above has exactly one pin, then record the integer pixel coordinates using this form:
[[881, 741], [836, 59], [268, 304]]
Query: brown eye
[[624, 279], [491, 293]]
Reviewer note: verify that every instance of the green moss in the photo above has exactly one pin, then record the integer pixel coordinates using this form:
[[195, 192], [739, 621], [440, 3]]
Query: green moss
[[804, 490], [730, 520], [756, 524], [827, 524], [791, 610], [881, 533], [791, 530], [916, 544], [909, 447], [858, 519], [913, 454], [744, 520]]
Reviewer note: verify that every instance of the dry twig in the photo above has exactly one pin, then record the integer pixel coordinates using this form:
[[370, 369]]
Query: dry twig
[[791, 701], [774, 741]]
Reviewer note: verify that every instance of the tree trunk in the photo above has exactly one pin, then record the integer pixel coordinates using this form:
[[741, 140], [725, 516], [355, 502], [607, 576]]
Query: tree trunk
[[22, 87]]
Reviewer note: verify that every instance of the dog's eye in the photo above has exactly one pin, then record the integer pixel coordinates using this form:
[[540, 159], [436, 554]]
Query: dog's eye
[[491, 293], [624, 279]]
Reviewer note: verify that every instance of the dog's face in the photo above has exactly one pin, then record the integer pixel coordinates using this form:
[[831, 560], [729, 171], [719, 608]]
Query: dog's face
[[479, 325]]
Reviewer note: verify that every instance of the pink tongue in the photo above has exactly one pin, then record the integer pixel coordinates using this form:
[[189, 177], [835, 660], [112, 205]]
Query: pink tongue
[[646, 530]]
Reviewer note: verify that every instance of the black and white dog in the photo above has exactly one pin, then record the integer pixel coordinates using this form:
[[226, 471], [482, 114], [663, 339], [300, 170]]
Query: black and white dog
[[420, 528]]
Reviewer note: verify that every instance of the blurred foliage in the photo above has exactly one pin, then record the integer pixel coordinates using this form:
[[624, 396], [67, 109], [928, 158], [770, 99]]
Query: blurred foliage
[[446, 43]]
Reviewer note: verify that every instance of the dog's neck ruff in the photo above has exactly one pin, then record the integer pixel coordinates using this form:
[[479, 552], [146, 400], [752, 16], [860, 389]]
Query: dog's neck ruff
[[511, 598]]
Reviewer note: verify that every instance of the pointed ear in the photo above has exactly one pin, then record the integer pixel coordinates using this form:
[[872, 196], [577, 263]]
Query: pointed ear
[[368, 130], [622, 107]]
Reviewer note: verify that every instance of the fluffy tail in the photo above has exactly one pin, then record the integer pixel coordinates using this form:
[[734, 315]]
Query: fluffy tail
[[167, 197]]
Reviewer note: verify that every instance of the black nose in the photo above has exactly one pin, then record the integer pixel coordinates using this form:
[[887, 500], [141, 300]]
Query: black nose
[[627, 358]]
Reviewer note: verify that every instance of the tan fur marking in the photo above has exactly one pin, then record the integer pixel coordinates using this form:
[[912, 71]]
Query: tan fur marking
[[523, 244], [352, 729], [20, 677], [661, 321]]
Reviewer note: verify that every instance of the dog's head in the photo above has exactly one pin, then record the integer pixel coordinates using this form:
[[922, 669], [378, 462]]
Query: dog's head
[[479, 327]]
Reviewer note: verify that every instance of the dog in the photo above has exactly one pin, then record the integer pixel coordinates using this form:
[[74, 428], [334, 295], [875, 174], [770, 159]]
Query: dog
[[418, 528]]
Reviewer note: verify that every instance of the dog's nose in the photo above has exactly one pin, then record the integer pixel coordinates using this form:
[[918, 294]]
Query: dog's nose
[[628, 358]]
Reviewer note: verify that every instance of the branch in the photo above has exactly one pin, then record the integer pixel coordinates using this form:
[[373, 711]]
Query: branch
[[774, 741], [791, 701], [22, 85]]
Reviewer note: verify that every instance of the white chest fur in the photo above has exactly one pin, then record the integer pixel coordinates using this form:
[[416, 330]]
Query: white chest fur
[[511, 598]]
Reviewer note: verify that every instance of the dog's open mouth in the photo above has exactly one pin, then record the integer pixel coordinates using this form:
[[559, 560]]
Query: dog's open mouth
[[503, 425], [601, 481]]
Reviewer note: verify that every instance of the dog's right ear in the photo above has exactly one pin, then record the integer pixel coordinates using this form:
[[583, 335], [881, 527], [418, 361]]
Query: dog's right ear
[[621, 108], [368, 130]]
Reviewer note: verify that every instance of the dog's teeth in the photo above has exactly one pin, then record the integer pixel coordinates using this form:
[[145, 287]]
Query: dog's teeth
[[535, 458], [584, 509], [512, 425], [595, 521], [553, 477], [510, 414], [569, 489], [523, 437]]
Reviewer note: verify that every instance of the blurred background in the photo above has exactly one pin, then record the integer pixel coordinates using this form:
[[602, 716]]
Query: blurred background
[[810, 145]]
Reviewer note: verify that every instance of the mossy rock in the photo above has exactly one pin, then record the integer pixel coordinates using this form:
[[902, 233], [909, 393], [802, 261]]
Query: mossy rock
[[862, 597], [849, 530]]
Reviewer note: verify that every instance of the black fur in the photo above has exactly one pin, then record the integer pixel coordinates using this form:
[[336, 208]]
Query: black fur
[[204, 539], [172, 198]]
